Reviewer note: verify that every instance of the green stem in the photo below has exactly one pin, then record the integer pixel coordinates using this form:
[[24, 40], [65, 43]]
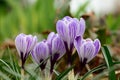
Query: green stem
[[22, 74]]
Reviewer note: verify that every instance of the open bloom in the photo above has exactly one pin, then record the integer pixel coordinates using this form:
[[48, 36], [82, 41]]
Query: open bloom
[[56, 47], [68, 28], [25, 44], [86, 48], [40, 53]]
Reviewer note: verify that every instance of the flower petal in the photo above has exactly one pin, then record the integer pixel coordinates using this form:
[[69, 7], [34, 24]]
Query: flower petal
[[20, 42], [81, 27], [97, 46], [58, 46], [62, 30], [50, 37], [87, 50], [41, 51], [67, 19], [72, 28], [77, 43]]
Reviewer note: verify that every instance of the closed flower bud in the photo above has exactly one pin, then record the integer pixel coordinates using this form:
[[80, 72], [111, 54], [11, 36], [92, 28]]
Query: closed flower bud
[[86, 48], [57, 48], [25, 44], [40, 53]]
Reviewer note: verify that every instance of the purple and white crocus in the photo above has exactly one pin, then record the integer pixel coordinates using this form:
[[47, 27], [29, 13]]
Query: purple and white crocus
[[56, 47], [86, 48], [68, 28], [40, 53], [24, 44]]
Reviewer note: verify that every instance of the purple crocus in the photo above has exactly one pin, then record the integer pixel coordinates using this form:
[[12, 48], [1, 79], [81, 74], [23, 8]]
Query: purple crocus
[[56, 47], [87, 49], [68, 28], [25, 44], [40, 53]]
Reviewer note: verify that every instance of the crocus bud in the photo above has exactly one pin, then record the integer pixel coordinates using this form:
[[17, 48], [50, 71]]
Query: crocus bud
[[68, 28], [57, 48], [25, 44], [86, 48], [40, 53]]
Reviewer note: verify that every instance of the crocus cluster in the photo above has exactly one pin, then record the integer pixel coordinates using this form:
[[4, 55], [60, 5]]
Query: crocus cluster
[[68, 28], [69, 36]]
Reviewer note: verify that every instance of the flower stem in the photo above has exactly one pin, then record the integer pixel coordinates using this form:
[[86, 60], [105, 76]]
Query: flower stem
[[22, 70], [88, 68], [22, 74], [71, 75]]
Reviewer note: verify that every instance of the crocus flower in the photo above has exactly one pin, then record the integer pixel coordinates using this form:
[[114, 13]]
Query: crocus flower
[[40, 53], [68, 28], [56, 47], [25, 44], [87, 49]]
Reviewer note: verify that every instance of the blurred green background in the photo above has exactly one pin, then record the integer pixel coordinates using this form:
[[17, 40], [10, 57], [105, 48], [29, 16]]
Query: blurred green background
[[40, 16], [21, 16]]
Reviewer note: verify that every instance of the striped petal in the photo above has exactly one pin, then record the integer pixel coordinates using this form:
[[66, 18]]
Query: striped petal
[[40, 52], [50, 37], [58, 46], [25, 44], [72, 28], [81, 29], [77, 43], [97, 46], [87, 50], [20, 43], [62, 30]]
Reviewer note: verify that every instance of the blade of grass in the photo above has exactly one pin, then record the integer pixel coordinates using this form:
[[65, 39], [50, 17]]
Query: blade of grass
[[14, 65], [100, 67], [4, 76], [5, 64], [12, 72], [64, 73], [109, 62]]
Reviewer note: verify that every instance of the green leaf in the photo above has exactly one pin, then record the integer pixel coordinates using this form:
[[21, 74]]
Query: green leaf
[[5, 64], [4, 76], [100, 67], [64, 73], [109, 62]]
